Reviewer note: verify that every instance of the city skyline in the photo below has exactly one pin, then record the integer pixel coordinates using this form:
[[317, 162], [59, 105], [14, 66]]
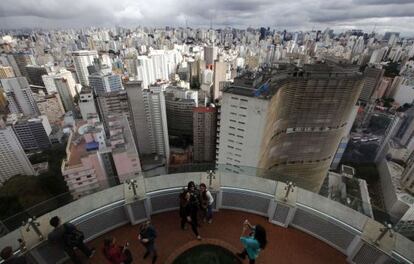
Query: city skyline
[[368, 15]]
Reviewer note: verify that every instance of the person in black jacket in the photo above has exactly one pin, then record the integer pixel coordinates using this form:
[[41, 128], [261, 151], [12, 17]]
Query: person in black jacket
[[147, 235], [189, 211], [67, 236], [8, 257]]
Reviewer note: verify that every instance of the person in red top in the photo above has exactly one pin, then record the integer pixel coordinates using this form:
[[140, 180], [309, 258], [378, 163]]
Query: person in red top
[[116, 254]]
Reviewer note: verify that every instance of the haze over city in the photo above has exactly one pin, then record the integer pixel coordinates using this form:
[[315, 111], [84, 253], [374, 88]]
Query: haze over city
[[292, 15]]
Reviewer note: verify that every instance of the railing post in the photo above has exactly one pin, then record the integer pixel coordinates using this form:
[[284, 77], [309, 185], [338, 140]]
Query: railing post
[[377, 239], [384, 231], [137, 204], [283, 207], [32, 224], [213, 180]]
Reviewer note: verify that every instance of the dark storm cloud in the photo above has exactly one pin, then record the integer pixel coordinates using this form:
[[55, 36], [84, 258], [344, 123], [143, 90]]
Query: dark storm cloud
[[298, 14]]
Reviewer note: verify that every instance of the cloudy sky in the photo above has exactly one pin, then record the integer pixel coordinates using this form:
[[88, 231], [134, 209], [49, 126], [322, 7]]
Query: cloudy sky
[[387, 15]]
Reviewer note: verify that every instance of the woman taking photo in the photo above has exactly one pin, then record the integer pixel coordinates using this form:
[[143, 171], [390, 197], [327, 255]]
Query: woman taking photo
[[252, 243]]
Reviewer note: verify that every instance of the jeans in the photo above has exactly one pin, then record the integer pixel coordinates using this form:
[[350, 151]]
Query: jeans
[[209, 212], [244, 254], [150, 247], [193, 223]]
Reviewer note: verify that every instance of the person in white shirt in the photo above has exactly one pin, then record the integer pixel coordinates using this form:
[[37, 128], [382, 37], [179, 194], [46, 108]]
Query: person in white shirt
[[206, 201]]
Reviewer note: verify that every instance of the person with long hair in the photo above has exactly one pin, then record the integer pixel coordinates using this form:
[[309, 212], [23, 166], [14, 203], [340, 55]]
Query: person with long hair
[[206, 203], [188, 212], [116, 254], [252, 243]]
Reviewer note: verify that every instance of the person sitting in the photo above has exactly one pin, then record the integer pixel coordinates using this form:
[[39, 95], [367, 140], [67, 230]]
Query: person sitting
[[116, 254]]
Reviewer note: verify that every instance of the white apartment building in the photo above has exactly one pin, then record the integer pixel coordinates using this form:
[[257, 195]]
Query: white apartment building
[[240, 129], [19, 96], [50, 83], [82, 59], [149, 118], [13, 160]]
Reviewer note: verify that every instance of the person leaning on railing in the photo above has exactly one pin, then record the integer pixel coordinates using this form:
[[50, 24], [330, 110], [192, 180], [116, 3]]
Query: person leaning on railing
[[68, 237], [252, 243]]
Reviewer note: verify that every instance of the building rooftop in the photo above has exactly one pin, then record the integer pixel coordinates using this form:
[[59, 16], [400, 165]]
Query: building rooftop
[[250, 84], [77, 152]]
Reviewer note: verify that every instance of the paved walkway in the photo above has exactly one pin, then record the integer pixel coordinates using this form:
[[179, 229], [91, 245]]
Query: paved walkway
[[286, 245]]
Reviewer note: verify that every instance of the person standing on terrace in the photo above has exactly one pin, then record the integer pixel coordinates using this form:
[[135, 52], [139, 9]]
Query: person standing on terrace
[[67, 236], [189, 211], [252, 243], [206, 203]]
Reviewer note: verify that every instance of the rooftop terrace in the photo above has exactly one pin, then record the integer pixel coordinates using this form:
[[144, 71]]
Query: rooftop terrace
[[302, 227]]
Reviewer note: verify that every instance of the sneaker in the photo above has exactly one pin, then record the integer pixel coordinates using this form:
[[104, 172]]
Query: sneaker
[[210, 221], [92, 253], [198, 237]]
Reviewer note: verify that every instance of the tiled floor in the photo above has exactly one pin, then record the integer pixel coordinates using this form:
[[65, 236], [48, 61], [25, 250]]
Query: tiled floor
[[286, 246]]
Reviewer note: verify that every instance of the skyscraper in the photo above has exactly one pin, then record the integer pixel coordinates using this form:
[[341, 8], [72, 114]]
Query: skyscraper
[[64, 90], [35, 73], [23, 59], [300, 118], [114, 103], [103, 83], [372, 78], [204, 131], [32, 132], [49, 81], [180, 114], [149, 117], [220, 69], [19, 96], [210, 55], [82, 59], [13, 160]]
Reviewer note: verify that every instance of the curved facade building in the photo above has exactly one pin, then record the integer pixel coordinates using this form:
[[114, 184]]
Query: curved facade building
[[306, 120], [306, 115]]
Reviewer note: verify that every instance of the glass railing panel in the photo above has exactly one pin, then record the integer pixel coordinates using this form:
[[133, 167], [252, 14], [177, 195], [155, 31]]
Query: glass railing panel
[[17, 212]]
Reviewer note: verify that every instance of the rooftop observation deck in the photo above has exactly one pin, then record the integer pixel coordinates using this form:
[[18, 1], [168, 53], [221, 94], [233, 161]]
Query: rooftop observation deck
[[286, 245], [303, 228]]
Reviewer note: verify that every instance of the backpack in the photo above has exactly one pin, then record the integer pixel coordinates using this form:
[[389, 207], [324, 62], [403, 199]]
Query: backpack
[[72, 237]]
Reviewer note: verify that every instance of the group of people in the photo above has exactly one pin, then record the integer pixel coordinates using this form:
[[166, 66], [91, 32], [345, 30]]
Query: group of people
[[116, 254], [194, 203], [68, 237]]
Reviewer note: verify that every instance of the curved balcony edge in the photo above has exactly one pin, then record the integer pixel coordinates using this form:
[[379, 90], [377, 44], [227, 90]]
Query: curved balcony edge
[[349, 231]]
